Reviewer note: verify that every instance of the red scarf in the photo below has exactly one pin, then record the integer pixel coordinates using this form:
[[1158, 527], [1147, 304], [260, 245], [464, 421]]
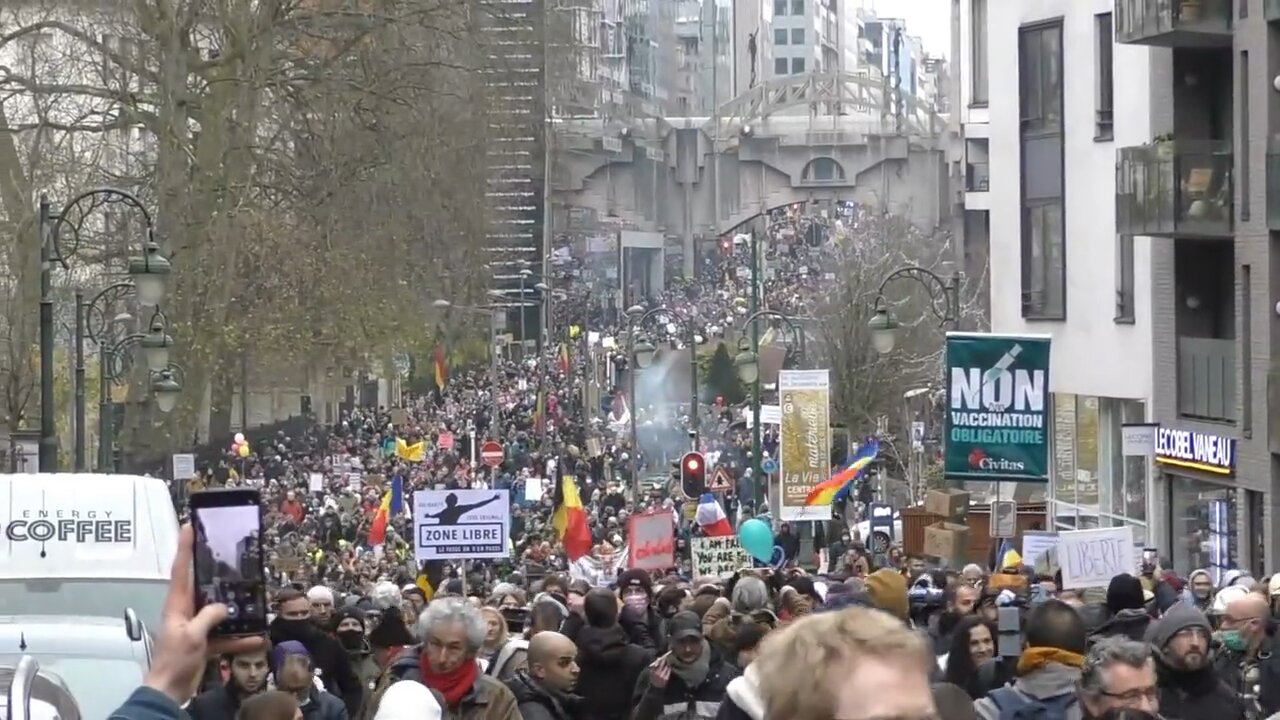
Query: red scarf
[[453, 684]]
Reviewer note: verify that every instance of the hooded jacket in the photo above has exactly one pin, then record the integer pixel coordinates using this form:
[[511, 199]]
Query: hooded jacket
[[1052, 680], [1129, 623], [742, 698], [610, 665], [677, 699], [538, 702]]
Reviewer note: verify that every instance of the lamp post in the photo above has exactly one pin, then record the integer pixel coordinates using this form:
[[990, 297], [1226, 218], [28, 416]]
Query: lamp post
[[748, 365], [640, 355], [944, 302], [148, 270], [492, 314]]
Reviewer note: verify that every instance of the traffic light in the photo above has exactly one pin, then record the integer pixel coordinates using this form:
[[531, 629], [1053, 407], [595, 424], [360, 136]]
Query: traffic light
[[693, 475]]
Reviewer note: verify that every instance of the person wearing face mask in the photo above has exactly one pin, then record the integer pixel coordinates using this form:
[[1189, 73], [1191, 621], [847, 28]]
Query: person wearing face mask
[[294, 675], [639, 618], [349, 626], [1200, 588], [1190, 687], [1247, 660], [293, 622]]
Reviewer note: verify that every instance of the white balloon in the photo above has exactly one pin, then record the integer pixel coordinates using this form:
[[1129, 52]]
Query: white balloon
[[239, 437]]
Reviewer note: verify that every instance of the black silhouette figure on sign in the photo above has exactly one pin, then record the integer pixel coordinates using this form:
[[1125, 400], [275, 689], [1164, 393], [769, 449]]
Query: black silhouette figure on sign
[[452, 512]]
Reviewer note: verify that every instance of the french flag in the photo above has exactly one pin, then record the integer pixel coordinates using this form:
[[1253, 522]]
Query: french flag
[[711, 517]]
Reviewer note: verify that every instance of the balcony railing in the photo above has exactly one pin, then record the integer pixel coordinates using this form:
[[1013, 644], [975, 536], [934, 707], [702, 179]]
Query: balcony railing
[[977, 177], [1174, 23], [1207, 378], [1175, 188]]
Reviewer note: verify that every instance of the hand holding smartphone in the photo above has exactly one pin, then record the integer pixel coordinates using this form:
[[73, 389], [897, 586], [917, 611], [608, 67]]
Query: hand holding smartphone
[[228, 559]]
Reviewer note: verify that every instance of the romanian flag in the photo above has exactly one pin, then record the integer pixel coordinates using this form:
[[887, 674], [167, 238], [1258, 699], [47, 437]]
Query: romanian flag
[[570, 520], [430, 577], [562, 358], [410, 453], [440, 367], [838, 487], [378, 530]]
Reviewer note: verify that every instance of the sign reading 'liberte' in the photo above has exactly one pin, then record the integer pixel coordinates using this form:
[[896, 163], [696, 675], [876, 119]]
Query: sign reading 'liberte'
[[1196, 450]]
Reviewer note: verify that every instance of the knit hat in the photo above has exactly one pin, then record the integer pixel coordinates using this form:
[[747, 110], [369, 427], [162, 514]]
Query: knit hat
[[391, 631], [1180, 617], [888, 592], [805, 586], [635, 578], [1124, 593], [285, 649], [348, 613]]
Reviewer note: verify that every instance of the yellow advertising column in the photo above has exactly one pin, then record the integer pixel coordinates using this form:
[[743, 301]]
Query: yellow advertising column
[[804, 397]]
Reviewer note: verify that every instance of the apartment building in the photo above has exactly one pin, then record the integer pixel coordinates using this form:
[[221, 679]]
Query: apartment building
[[1041, 84]]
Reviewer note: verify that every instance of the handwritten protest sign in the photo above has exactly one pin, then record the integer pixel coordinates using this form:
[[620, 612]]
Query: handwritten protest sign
[[651, 539], [1090, 558], [718, 556]]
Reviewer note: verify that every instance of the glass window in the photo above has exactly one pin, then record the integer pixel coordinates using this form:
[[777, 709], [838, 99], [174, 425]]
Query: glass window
[[1087, 469], [797, 66], [779, 66], [1104, 38], [1204, 529], [797, 7], [797, 36], [1124, 279], [779, 36], [978, 51], [779, 7], [99, 685], [1064, 449]]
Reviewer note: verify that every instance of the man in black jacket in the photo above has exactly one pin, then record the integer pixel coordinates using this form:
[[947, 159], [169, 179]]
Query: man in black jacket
[[248, 677], [1190, 688], [611, 663], [544, 691], [688, 682], [639, 617], [327, 654]]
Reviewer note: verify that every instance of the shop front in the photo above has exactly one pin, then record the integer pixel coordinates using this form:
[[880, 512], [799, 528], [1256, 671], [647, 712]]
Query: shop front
[[1208, 514]]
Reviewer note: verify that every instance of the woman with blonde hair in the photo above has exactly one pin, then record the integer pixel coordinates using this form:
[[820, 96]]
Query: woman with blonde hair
[[496, 634], [853, 663]]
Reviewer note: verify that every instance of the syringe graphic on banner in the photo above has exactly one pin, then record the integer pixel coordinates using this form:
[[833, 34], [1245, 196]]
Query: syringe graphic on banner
[[1001, 365]]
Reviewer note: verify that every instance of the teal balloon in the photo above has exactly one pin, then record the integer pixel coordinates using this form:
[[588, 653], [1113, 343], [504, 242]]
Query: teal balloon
[[756, 538]]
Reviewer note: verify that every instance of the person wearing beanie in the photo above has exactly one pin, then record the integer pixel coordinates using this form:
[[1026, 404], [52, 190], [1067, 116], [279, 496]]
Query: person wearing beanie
[[639, 616], [1126, 609], [349, 626], [887, 590], [386, 640], [1189, 685], [294, 674]]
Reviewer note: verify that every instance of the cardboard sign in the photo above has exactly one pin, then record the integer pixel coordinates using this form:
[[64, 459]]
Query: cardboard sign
[[1090, 558], [445, 441], [651, 541], [399, 416], [718, 556]]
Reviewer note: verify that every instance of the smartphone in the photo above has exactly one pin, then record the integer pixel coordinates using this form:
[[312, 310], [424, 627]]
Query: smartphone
[[228, 559]]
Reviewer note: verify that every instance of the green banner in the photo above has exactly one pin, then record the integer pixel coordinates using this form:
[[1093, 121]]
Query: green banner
[[997, 407]]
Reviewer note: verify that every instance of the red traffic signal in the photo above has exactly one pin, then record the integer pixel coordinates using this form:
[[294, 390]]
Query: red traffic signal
[[693, 474]]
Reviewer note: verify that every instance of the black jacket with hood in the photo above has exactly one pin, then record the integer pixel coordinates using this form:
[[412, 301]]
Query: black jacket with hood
[[327, 655], [610, 666], [537, 702]]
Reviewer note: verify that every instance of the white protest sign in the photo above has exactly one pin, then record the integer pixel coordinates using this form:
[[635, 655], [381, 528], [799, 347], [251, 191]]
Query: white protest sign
[[1090, 558], [316, 482], [461, 524], [1035, 543], [533, 489], [718, 556]]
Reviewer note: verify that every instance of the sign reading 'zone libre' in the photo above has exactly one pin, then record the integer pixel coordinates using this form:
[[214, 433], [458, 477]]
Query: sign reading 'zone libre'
[[997, 420]]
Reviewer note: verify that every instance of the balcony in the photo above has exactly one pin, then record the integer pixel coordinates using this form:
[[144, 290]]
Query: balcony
[[1174, 23], [1175, 188], [977, 177], [1207, 379]]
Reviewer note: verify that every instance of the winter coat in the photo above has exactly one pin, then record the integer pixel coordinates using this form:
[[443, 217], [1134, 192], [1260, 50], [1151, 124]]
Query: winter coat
[[1131, 624], [328, 657], [1052, 680], [488, 698], [220, 703], [537, 702], [323, 706], [742, 699], [678, 701], [1198, 695], [610, 667]]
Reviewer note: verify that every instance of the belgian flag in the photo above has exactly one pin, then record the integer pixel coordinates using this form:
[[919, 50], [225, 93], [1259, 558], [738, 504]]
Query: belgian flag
[[430, 577]]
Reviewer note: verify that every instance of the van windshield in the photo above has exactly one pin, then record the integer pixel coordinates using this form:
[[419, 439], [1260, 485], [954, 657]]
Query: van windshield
[[101, 598]]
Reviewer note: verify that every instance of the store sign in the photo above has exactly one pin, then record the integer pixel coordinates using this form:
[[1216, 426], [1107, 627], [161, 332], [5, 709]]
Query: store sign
[[1196, 450]]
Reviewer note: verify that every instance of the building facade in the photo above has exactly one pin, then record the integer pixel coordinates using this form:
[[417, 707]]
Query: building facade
[[1040, 82]]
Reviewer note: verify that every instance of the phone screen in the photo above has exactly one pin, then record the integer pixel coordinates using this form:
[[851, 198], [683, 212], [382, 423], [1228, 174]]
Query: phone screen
[[228, 558]]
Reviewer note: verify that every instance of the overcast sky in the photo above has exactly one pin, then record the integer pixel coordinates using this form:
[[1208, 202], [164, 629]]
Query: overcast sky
[[929, 19]]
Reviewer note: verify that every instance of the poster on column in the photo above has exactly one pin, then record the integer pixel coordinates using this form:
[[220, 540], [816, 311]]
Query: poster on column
[[997, 419], [804, 452]]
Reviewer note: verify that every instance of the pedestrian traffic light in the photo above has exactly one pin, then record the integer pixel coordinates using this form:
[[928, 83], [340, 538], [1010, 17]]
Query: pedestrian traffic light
[[693, 475]]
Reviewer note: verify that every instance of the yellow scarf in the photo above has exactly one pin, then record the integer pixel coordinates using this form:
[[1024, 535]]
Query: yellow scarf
[[1034, 658]]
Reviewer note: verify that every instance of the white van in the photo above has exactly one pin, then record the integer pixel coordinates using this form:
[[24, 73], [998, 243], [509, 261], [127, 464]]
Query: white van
[[85, 544]]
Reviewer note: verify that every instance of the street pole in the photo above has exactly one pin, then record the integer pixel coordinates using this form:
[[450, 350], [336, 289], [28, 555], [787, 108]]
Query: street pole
[[79, 384], [48, 430], [106, 423], [634, 408], [522, 316], [696, 424], [761, 482]]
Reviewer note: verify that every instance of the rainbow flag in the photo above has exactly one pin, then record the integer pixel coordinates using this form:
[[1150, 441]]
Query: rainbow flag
[[838, 487]]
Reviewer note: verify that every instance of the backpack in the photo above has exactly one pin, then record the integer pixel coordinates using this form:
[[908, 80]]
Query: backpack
[[1014, 705]]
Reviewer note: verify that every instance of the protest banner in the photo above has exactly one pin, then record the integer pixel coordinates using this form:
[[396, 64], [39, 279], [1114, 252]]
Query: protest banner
[[461, 524], [651, 541], [1090, 558], [718, 556]]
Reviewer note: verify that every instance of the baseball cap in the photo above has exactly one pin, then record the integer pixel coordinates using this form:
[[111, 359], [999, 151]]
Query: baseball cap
[[684, 624]]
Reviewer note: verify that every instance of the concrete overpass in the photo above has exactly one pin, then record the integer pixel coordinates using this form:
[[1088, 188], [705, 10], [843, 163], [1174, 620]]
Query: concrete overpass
[[822, 137]]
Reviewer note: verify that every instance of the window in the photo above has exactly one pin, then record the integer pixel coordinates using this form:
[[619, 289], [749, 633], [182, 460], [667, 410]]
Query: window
[[797, 36], [1242, 167], [779, 37], [1043, 243], [978, 51], [797, 66], [1246, 351], [779, 66], [779, 7], [1124, 279], [1105, 96], [797, 7]]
